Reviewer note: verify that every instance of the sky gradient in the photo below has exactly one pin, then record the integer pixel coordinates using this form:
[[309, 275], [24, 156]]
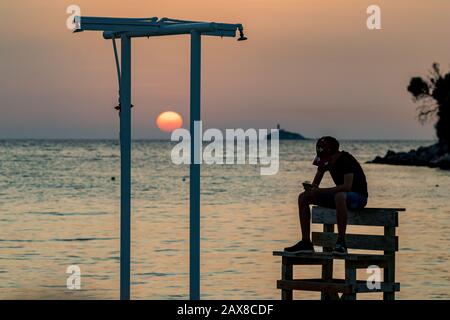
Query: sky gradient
[[312, 66]]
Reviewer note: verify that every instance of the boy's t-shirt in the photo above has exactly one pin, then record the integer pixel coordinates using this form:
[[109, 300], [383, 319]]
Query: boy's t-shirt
[[345, 164]]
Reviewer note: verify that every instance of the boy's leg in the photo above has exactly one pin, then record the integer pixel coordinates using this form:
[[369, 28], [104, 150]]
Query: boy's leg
[[304, 201], [305, 245], [340, 199]]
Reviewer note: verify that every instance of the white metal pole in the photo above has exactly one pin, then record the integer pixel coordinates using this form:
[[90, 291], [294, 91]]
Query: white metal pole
[[125, 168], [196, 145]]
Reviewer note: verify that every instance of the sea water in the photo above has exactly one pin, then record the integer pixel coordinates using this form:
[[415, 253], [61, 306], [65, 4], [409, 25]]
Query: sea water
[[59, 206]]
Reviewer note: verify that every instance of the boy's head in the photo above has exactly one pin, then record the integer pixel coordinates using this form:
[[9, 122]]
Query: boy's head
[[326, 147]]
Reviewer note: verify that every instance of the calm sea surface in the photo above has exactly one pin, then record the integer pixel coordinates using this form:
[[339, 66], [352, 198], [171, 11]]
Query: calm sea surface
[[59, 206]]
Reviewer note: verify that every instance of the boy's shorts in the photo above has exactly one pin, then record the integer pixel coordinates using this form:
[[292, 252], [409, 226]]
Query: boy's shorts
[[355, 201]]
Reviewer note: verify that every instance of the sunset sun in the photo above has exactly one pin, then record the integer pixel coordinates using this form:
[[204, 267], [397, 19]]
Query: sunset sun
[[169, 121]]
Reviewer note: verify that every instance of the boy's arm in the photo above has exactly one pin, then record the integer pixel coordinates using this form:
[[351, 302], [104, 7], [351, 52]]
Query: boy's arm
[[345, 187], [317, 178]]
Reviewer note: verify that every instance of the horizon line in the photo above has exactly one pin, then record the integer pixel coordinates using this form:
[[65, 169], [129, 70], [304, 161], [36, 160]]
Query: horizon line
[[168, 139]]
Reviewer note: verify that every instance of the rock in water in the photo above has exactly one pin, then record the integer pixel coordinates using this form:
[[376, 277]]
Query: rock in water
[[434, 156]]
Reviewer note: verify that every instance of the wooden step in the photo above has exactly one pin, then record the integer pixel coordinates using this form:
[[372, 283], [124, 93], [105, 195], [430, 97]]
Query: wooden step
[[330, 256], [334, 285]]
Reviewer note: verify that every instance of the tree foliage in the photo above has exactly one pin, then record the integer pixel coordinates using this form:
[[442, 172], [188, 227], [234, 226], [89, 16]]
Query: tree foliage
[[434, 95]]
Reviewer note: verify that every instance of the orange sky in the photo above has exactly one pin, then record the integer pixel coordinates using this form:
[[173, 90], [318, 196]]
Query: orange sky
[[310, 65]]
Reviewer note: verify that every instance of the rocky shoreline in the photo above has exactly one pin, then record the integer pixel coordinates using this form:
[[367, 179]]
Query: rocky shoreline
[[434, 156]]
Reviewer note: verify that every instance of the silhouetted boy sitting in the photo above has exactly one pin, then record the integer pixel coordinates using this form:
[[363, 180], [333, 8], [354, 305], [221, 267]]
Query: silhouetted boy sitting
[[350, 192]]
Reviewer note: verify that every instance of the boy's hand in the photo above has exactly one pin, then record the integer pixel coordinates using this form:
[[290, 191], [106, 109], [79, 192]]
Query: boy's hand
[[314, 191]]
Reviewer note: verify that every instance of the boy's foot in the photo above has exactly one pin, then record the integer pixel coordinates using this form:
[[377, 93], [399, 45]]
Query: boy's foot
[[301, 247], [340, 249]]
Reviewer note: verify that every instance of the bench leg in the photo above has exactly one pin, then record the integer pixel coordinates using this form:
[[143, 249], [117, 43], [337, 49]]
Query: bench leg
[[350, 278], [327, 274], [389, 277], [389, 271], [327, 268], [286, 274]]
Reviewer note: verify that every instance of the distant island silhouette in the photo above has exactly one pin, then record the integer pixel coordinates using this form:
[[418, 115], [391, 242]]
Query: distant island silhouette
[[287, 135]]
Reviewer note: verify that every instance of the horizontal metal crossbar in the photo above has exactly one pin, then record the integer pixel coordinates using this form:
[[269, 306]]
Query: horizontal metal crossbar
[[150, 27]]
